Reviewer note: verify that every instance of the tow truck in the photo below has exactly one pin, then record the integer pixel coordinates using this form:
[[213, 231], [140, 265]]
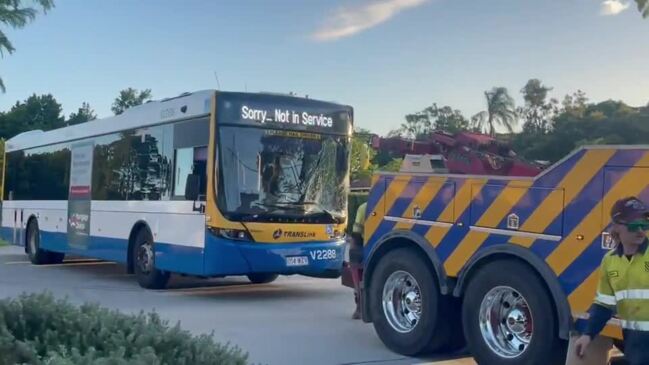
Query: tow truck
[[507, 264]]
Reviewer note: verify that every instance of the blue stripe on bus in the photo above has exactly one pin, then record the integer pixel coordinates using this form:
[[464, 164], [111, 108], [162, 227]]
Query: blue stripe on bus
[[219, 257]]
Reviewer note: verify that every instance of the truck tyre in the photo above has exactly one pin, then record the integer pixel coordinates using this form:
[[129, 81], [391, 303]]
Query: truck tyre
[[406, 306], [144, 261], [262, 278], [36, 255], [509, 318]]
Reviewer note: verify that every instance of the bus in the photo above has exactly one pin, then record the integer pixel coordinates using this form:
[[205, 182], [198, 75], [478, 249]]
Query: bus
[[206, 184]]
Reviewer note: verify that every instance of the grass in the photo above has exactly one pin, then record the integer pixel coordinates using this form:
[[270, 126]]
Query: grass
[[3, 243]]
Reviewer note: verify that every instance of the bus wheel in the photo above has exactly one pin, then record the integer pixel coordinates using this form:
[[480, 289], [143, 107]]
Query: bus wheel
[[407, 309], [508, 317], [37, 255], [144, 261], [262, 278]]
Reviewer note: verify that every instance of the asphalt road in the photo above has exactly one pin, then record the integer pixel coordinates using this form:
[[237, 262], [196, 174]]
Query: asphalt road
[[294, 320]]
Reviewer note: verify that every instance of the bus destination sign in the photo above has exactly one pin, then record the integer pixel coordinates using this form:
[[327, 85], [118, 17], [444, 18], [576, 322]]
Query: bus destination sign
[[286, 116], [283, 112]]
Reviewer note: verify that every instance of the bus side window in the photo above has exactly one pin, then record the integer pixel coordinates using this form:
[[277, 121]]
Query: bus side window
[[190, 160], [182, 168]]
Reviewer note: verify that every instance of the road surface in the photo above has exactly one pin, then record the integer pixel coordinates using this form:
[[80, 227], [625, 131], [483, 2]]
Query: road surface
[[294, 320]]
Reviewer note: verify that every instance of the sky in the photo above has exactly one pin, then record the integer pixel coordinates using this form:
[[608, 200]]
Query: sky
[[385, 58]]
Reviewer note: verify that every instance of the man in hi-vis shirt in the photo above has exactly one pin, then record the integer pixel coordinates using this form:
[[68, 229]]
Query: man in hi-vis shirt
[[623, 287]]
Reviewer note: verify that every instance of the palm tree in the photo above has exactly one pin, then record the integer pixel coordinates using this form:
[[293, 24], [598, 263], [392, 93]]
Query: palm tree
[[16, 14], [500, 110]]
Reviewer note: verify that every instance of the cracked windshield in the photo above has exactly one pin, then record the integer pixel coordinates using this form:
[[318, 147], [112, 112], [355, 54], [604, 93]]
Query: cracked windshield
[[282, 174]]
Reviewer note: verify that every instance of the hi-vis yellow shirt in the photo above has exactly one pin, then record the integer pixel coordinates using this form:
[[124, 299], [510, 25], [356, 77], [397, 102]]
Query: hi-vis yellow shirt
[[359, 221], [624, 287]]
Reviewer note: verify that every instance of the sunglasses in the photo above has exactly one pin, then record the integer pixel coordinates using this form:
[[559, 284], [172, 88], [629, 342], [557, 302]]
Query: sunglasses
[[638, 226]]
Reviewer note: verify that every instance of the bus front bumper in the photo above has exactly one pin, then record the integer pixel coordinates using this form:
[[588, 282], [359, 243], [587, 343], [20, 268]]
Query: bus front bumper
[[315, 259]]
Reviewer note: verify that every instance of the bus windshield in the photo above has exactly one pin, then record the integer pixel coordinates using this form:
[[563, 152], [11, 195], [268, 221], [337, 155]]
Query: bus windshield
[[268, 174]]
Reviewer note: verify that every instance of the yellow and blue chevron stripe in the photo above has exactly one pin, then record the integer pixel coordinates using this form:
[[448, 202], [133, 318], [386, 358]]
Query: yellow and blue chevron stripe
[[559, 214]]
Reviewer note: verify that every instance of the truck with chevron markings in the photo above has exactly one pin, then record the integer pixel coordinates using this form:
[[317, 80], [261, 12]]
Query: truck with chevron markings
[[507, 264]]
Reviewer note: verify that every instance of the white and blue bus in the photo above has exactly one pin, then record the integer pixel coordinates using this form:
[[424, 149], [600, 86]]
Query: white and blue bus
[[209, 184]]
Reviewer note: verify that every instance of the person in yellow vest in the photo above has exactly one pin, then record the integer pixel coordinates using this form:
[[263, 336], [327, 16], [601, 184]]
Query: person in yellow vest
[[623, 287], [356, 255]]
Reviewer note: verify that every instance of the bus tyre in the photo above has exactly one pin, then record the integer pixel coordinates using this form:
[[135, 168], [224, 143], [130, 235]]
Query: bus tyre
[[37, 255], [509, 318], [262, 278], [144, 261], [407, 309]]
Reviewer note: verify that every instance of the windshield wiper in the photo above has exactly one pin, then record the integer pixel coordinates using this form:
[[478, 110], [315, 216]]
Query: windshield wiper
[[324, 210]]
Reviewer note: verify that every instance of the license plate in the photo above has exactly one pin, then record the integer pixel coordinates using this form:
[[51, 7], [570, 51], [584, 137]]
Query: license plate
[[297, 261]]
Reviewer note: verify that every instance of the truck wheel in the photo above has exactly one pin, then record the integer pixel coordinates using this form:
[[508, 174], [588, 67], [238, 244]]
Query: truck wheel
[[262, 278], [37, 255], [508, 317], [406, 306], [144, 261]]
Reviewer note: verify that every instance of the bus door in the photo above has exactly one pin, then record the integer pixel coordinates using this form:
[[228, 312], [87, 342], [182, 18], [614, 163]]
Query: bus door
[[18, 231]]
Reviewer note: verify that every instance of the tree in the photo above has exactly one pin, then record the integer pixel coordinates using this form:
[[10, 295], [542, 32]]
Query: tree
[[537, 113], [84, 114], [447, 119], [129, 98], [37, 112], [501, 110], [419, 125], [16, 14], [575, 104], [643, 7], [416, 126], [608, 122], [393, 166]]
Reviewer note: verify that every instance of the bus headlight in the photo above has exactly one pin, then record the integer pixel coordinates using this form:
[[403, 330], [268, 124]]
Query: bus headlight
[[234, 234]]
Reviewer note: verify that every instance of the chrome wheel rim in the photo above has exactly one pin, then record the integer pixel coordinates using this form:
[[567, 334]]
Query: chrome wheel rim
[[506, 322], [145, 258], [402, 301]]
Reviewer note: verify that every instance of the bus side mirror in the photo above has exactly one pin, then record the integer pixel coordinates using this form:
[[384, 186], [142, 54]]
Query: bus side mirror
[[192, 187]]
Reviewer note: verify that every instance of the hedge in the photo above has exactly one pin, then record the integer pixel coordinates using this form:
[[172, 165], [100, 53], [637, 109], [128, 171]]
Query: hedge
[[38, 329]]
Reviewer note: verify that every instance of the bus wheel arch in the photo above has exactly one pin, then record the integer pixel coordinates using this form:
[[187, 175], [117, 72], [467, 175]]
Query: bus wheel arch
[[30, 221], [37, 255], [143, 257], [130, 264]]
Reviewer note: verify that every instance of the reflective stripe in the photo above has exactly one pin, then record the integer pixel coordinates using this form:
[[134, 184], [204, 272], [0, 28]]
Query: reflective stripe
[[605, 299], [635, 325], [632, 294]]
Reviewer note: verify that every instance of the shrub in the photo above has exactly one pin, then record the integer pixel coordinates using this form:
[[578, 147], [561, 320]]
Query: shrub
[[38, 329]]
